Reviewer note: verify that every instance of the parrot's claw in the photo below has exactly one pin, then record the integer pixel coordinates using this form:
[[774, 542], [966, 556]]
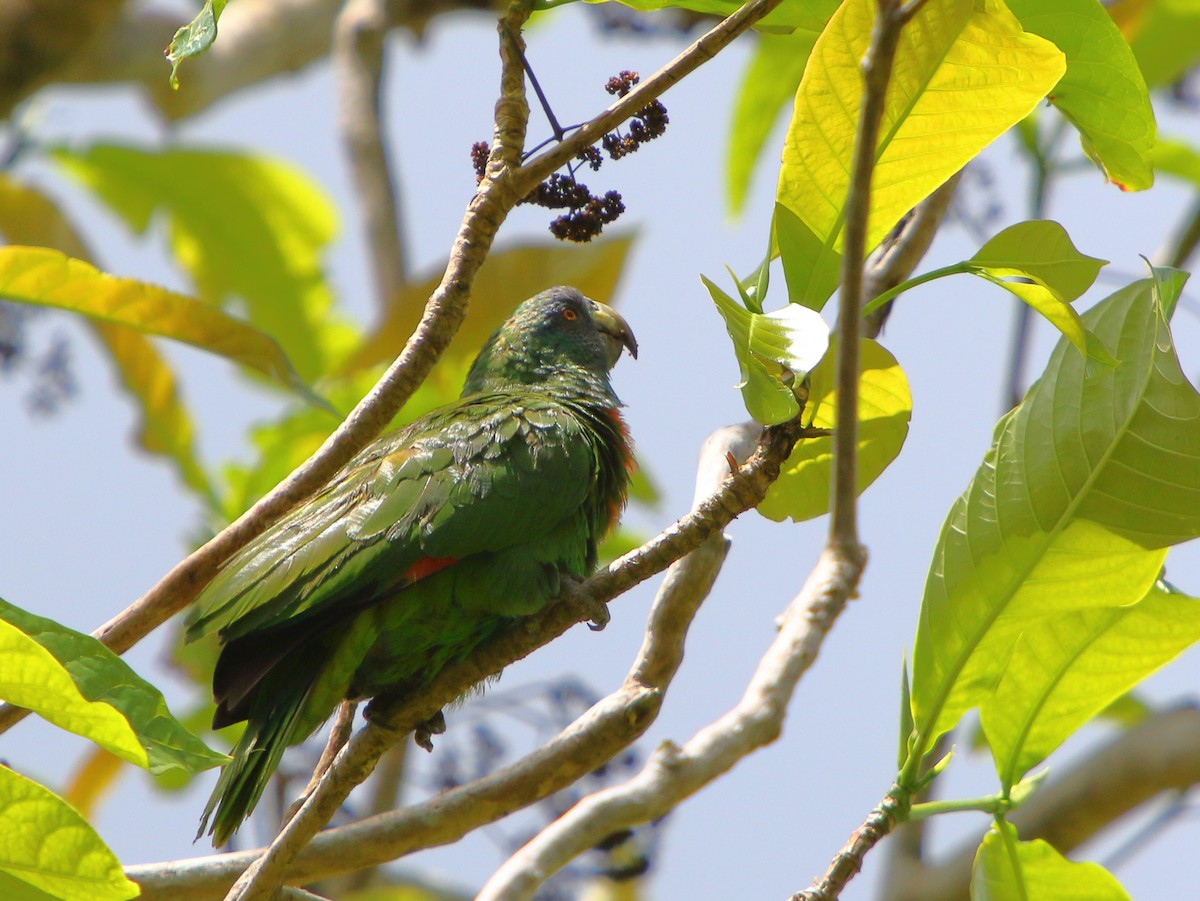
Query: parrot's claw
[[600, 616], [424, 733], [597, 610]]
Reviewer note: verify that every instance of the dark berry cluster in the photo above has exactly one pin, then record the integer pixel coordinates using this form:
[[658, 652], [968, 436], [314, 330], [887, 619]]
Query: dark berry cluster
[[587, 213]]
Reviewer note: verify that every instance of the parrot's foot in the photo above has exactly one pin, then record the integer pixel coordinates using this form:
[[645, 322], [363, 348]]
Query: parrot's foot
[[424, 733], [597, 610]]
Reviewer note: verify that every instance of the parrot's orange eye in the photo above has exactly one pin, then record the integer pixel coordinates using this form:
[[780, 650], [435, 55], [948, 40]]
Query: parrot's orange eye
[[570, 315]]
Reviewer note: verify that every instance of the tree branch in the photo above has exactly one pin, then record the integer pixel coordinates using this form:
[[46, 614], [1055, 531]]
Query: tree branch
[[358, 58]]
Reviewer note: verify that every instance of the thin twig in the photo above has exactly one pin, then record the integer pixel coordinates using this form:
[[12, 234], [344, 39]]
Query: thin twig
[[358, 58]]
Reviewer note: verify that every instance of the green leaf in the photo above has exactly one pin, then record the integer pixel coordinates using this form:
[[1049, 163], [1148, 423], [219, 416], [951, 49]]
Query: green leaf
[[768, 83], [1164, 36], [964, 73], [810, 267], [775, 351], [49, 852], [884, 408], [77, 683], [1041, 252], [242, 226], [1010, 870], [809, 15], [43, 277], [1067, 669], [29, 217], [1102, 93], [1087, 484], [195, 37]]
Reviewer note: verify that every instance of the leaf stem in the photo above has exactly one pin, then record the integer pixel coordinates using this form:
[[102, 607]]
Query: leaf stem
[[892, 293]]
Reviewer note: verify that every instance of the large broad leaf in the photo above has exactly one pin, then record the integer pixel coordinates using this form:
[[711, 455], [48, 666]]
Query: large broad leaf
[[507, 277], [1102, 92], [77, 683], [775, 351], [802, 490], [29, 217], [1066, 669], [963, 74], [1089, 481], [49, 852], [1007, 869], [807, 14], [195, 37], [768, 83], [242, 226], [44, 277], [1163, 34]]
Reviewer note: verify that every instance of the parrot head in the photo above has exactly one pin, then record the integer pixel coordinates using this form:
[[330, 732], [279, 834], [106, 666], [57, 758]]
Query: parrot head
[[549, 337]]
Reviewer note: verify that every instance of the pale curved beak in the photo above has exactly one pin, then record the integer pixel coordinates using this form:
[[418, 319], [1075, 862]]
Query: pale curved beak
[[614, 331]]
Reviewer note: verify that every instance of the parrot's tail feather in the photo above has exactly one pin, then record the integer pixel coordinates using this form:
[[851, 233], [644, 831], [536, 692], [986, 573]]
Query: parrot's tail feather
[[255, 758]]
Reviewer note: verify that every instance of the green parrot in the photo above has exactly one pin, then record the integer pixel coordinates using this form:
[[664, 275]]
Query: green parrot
[[432, 539]]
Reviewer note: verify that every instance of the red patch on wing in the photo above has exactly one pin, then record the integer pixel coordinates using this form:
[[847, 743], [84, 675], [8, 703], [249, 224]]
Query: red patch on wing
[[427, 567]]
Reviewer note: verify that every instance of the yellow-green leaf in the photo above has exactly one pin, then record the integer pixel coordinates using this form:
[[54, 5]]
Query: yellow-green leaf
[[1102, 93], [1178, 159], [242, 226], [32, 678], [49, 852], [29, 217], [101, 677], [964, 73], [43, 277], [1007, 869], [884, 409]]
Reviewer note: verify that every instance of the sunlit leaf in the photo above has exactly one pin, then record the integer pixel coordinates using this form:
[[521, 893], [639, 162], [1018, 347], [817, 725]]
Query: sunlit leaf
[[1174, 157], [964, 73], [77, 683], [884, 408], [1102, 93], [507, 277], [43, 277], [242, 226], [49, 852], [775, 351], [1041, 251], [195, 37], [1066, 669], [1089, 481], [1007, 869], [29, 217]]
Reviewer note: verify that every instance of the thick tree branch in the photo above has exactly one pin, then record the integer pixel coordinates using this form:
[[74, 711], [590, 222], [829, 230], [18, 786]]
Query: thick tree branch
[[358, 57], [606, 729]]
